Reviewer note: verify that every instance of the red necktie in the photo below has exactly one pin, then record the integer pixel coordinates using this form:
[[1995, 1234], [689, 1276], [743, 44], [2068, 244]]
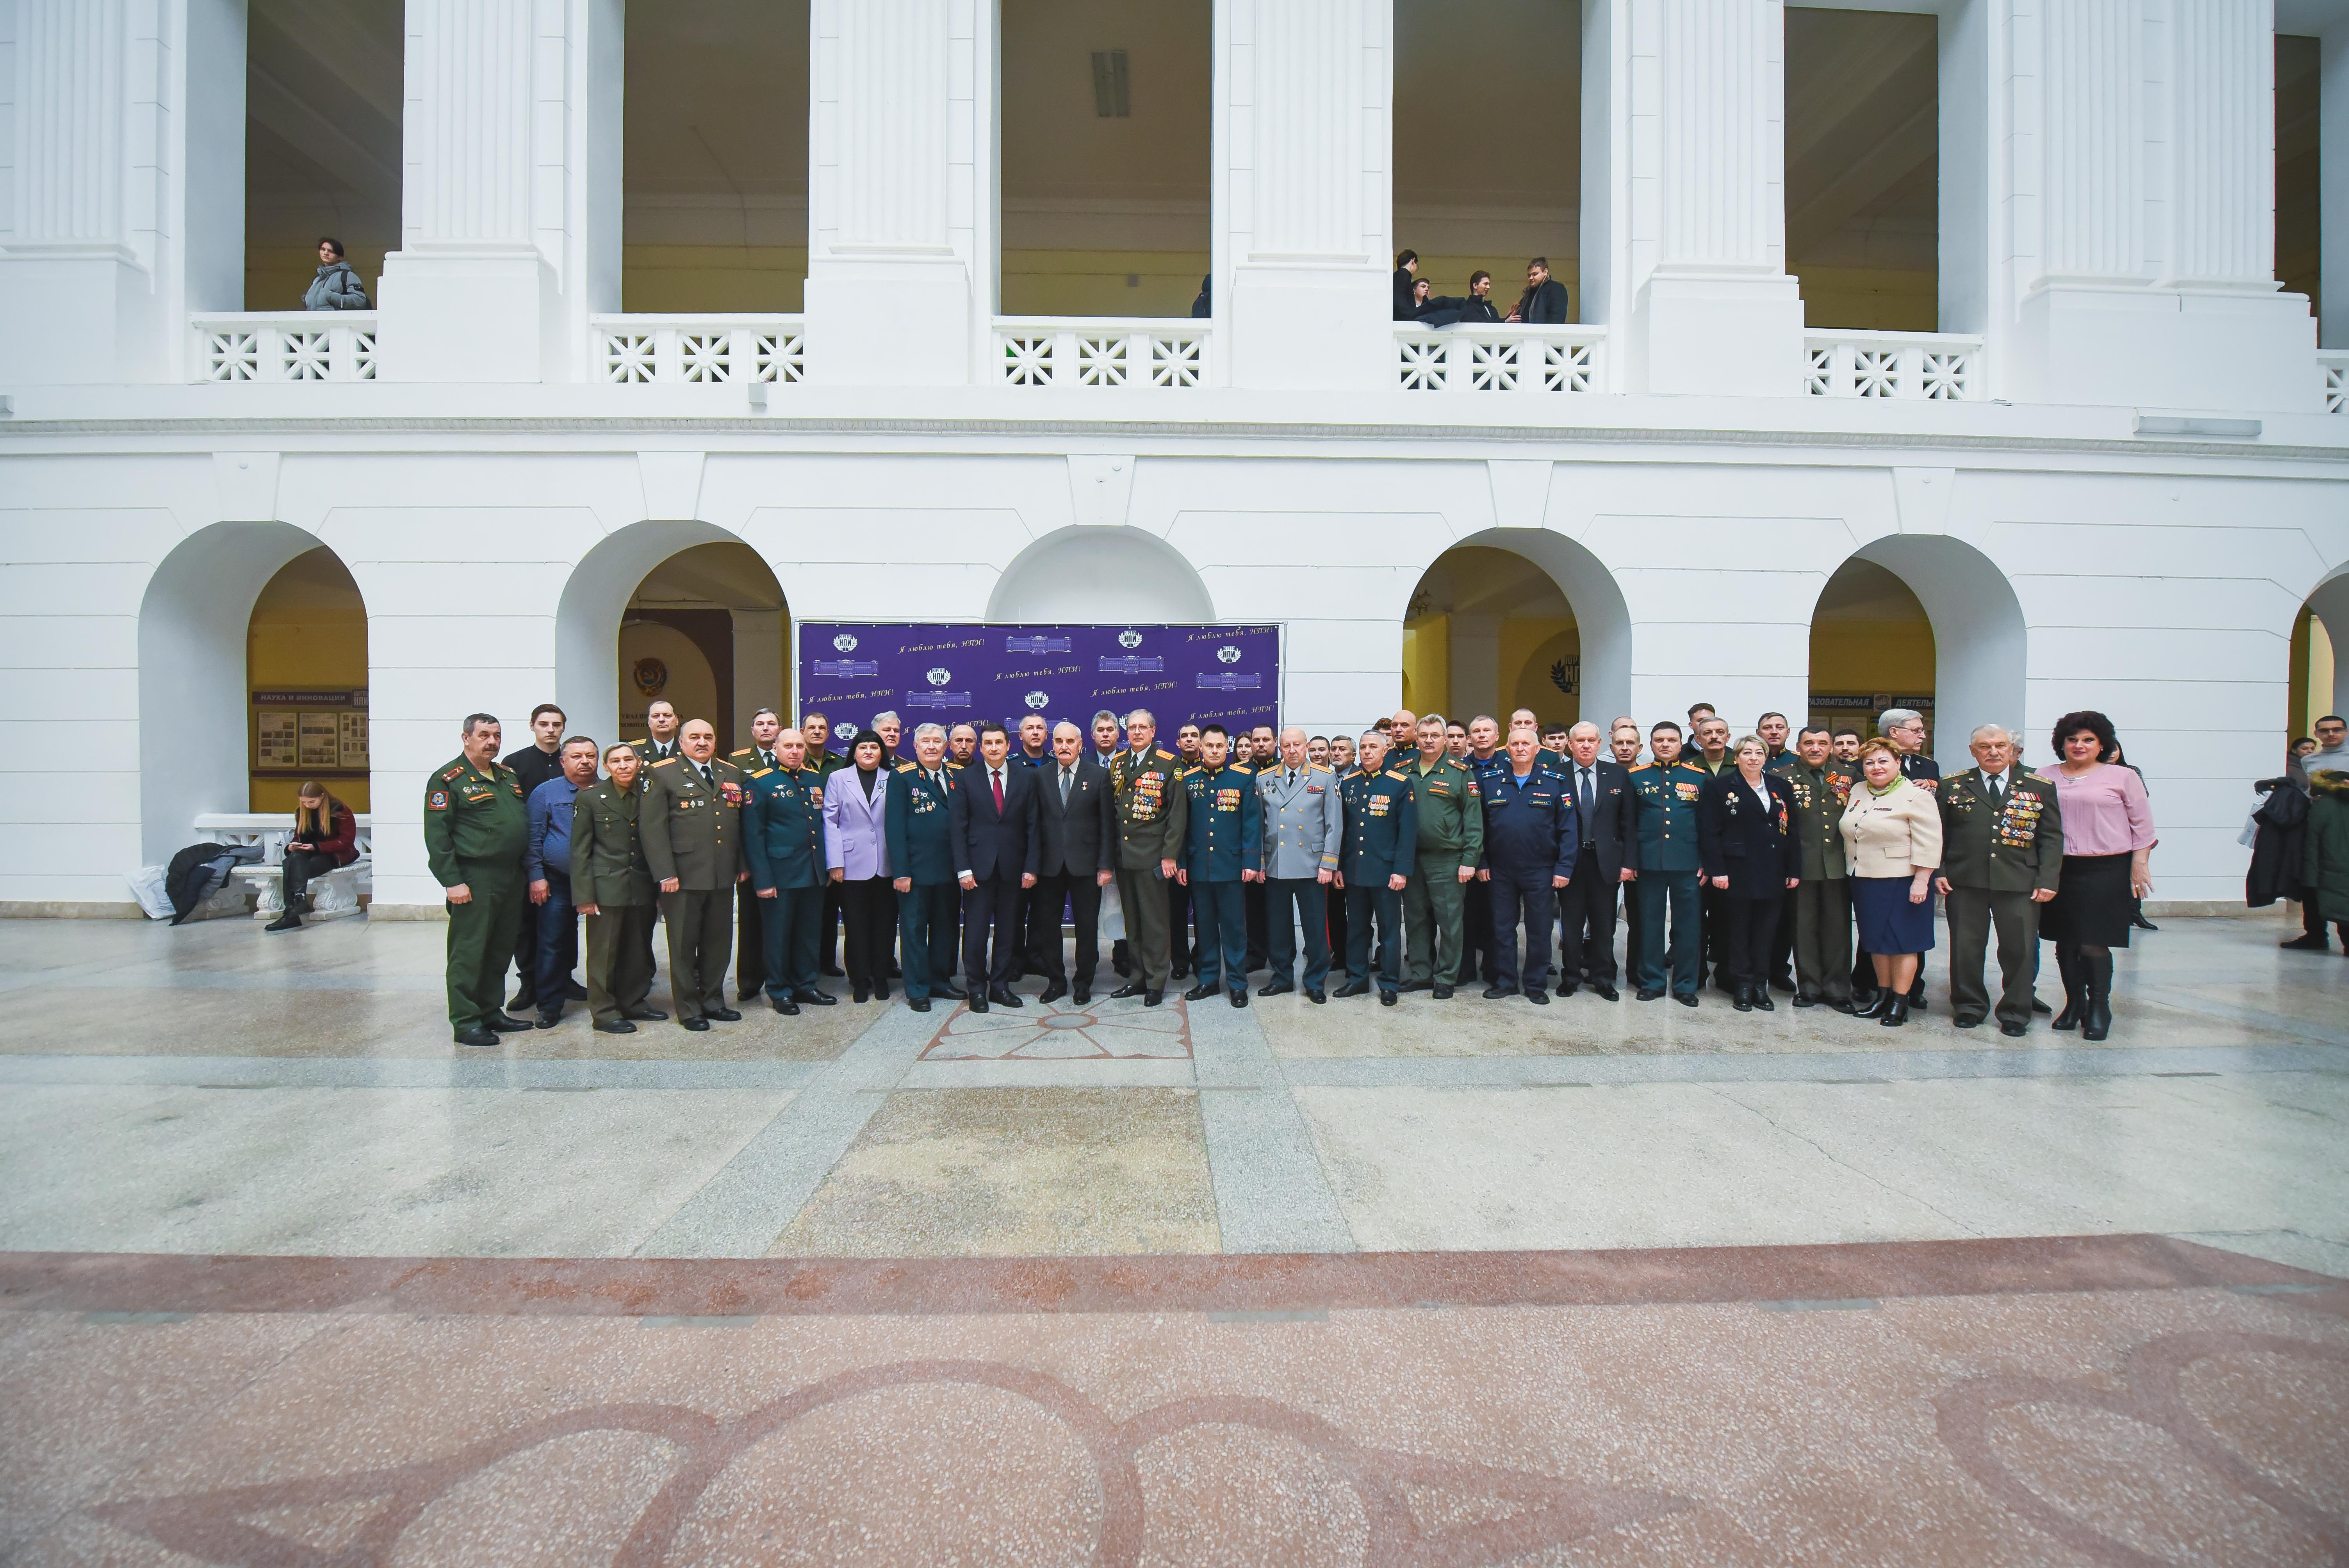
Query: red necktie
[[997, 776]]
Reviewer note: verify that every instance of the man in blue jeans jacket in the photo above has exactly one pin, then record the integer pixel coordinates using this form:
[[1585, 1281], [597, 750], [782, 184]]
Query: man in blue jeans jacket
[[547, 864]]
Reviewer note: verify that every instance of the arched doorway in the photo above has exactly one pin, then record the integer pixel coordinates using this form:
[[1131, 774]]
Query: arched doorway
[[1094, 575], [2319, 683], [252, 675], [1919, 621], [678, 610], [1516, 618]]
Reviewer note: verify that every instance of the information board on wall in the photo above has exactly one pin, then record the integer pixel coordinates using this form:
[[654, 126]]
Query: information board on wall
[[951, 675], [307, 732]]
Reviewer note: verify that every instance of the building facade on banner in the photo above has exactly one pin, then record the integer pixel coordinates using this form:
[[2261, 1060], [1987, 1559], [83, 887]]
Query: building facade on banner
[[1987, 354]]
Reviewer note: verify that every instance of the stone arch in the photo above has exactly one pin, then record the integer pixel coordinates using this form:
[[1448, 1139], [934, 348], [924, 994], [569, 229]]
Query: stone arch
[[1980, 644], [193, 622], [2330, 604], [1094, 575], [1601, 616]]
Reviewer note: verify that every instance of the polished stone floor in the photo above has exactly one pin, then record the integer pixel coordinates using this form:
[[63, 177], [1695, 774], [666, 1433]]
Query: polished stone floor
[[286, 1277]]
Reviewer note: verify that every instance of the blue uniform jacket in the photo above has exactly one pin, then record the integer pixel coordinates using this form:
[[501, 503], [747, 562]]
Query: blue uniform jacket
[[1530, 829], [1381, 828], [1665, 801], [782, 828], [919, 816], [1223, 835]]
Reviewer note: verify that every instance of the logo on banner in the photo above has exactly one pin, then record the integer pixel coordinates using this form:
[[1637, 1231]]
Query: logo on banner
[[1228, 654], [1132, 665], [847, 669], [845, 642], [1129, 638], [1038, 644], [846, 731], [1036, 700], [938, 675], [1230, 680]]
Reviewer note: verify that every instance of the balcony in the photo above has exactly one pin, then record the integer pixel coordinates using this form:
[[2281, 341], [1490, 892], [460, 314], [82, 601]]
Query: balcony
[[1913, 366], [282, 346], [1535, 361], [1098, 352], [695, 349]]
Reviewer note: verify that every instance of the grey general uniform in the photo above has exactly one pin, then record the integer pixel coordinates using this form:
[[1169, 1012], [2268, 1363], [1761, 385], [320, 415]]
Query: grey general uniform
[[608, 870], [693, 832], [1304, 833], [1449, 803], [1152, 819]]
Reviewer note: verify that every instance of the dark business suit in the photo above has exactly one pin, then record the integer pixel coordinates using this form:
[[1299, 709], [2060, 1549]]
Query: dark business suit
[[1587, 905], [996, 846], [1076, 838], [1757, 851], [921, 849]]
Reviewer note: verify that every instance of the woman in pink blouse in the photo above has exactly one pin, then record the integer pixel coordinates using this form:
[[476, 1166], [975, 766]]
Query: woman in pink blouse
[[2108, 839]]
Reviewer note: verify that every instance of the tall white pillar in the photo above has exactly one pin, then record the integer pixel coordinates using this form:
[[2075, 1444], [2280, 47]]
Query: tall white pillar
[[902, 239], [2143, 178], [510, 189], [2332, 172], [121, 183], [1684, 194], [1305, 198]]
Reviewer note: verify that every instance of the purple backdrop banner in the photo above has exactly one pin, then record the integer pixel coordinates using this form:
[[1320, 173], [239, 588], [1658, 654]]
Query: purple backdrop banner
[[849, 671]]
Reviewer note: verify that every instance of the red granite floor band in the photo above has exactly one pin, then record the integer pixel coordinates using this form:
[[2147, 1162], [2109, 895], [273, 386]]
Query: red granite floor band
[[151, 1282]]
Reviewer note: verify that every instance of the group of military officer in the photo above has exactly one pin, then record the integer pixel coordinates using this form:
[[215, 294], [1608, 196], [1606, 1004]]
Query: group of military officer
[[1420, 854]]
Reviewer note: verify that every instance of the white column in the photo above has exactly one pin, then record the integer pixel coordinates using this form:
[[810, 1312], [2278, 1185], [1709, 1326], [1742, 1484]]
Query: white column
[[1690, 202], [510, 147], [121, 183], [2332, 166], [901, 255], [1307, 202]]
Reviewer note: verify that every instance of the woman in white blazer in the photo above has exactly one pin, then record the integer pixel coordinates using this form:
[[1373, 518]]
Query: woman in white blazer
[[856, 849], [1892, 846]]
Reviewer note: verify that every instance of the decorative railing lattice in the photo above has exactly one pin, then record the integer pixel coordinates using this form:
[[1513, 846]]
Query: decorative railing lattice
[[695, 349], [1042, 351], [1921, 367], [282, 346], [1530, 359]]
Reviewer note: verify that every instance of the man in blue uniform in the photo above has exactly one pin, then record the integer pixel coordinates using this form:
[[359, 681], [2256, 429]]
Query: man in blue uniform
[[929, 905], [1664, 794], [782, 837], [1223, 851], [1382, 847], [1531, 839]]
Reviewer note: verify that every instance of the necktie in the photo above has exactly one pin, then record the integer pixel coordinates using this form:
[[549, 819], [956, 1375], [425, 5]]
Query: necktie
[[996, 774], [766, 758], [1292, 778], [1067, 775], [705, 779], [1582, 804], [1997, 788]]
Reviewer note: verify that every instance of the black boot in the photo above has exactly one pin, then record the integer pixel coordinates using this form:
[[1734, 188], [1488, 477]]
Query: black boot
[[1894, 1015], [289, 921], [2097, 1014], [1877, 1001], [2067, 967]]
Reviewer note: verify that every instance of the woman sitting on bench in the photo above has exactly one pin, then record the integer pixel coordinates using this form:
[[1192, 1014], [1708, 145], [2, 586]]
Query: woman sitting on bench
[[325, 835]]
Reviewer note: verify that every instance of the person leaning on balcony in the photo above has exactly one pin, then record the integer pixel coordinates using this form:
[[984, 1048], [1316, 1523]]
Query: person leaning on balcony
[[325, 835], [336, 287], [1478, 309], [1406, 304], [1544, 302]]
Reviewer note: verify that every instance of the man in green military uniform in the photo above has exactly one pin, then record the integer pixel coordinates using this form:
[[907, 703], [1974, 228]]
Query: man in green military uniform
[[2002, 851], [1151, 818], [783, 837], [1374, 867], [692, 824], [1664, 794], [1821, 783], [1451, 811], [612, 883], [475, 833], [661, 720]]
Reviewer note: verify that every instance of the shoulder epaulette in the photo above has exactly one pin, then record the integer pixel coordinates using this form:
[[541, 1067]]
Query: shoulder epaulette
[[739, 751], [665, 762], [1398, 775], [1319, 767], [1165, 756], [904, 767], [1248, 769], [455, 772], [761, 772], [1640, 767]]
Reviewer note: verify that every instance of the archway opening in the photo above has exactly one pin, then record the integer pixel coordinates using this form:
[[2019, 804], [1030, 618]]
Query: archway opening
[[322, 141], [1093, 575], [2319, 683], [1863, 167], [1920, 621], [1516, 618], [306, 669]]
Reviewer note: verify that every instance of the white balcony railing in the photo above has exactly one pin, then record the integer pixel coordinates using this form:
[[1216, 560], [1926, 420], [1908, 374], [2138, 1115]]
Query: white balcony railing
[[696, 349], [1536, 360], [1938, 367], [1044, 351], [282, 346], [2333, 365]]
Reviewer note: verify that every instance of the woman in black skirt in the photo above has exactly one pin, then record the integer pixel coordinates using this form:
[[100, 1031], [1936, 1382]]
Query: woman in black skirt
[[1745, 842], [2108, 842]]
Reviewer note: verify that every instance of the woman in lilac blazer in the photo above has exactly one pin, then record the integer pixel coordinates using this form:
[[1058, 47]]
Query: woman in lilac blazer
[[857, 847]]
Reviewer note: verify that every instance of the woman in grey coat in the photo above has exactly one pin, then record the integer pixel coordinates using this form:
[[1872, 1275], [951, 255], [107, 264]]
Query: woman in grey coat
[[336, 287]]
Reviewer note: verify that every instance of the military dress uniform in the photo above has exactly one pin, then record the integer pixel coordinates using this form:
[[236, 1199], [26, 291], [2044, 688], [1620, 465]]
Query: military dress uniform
[[1304, 834], [2000, 839], [750, 940], [1531, 837], [782, 839], [1822, 905], [649, 751], [1478, 954], [1664, 804], [1449, 802], [475, 833], [1152, 816], [929, 914], [608, 870], [1223, 840], [693, 832], [1382, 843]]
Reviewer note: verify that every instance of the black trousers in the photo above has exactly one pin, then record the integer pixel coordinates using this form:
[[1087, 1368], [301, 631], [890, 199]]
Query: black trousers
[[1586, 924], [1334, 908], [868, 908], [1476, 938], [929, 925], [1081, 894], [750, 941], [1782, 946], [1383, 904], [1748, 928], [525, 954], [990, 910], [1182, 945], [1713, 931], [301, 865], [1255, 916], [1292, 903], [828, 928]]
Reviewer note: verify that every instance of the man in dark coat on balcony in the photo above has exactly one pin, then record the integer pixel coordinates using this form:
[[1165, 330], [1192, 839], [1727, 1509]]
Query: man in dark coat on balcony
[[1544, 302]]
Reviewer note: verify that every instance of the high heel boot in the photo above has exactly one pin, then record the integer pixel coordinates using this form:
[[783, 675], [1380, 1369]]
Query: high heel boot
[[2097, 1013], [2067, 967]]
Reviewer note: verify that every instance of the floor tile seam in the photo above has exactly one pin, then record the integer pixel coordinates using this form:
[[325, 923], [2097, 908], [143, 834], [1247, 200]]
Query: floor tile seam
[[1722, 1092], [1313, 1198]]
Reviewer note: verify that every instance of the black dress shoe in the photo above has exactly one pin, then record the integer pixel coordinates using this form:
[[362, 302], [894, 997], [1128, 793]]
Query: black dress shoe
[[918, 1004], [815, 997], [523, 1002], [1441, 993], [835, 970], [1569, 987], [573, 992], [978, 1003], [721, 1015], [1277, 988], [1967, 1023], [1153, 998], [476, 1037], [1198, 993], [1762, 999], [1081, 996], [1803, 1001], [1415, 986], [548, 1020], [1745, 999], [289, 921], [1315, 994], [507, 1026], [1491, 993], [653, 1013], [2314, 942], [1352, 988], [951, 991], [614, 1026], [1136, 989], [1053, 992], [1604, 989], [1538, 996], [785, 1005], [1240, 997], [2039, 1006], [1685, 1000], [1875, 1006], [1003, 996], [698, 1026], [1386, 998], [2013, 1031], [1652, 993], [880, 990], [861, 994], [1846, 1008]]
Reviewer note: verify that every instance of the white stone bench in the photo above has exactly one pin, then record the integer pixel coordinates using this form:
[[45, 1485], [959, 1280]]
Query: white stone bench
[[346, 890]]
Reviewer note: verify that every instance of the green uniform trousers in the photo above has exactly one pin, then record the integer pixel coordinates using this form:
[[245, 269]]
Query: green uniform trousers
[[1674, 892], [1823, 939], [482, 941], [700, 932], [1142, 895], [1435, 922], [619, 960], [1973, 911]]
